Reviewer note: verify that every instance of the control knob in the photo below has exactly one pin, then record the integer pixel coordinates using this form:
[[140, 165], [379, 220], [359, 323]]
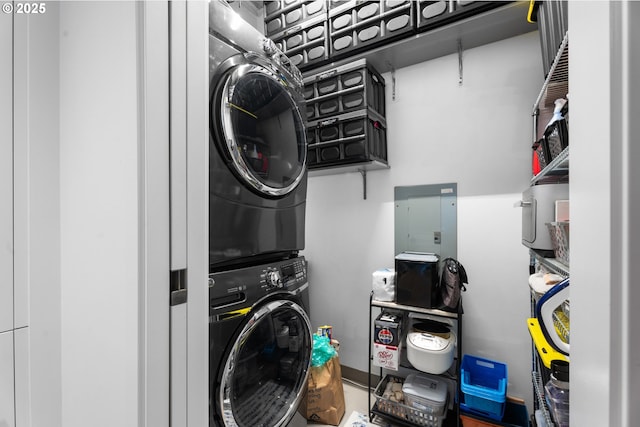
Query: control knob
[[274, 279], [269, 47]]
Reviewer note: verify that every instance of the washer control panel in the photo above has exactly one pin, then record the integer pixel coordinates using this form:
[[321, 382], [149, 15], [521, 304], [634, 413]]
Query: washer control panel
[[273, 278], [277, 57], [286, 275], [240, 288]]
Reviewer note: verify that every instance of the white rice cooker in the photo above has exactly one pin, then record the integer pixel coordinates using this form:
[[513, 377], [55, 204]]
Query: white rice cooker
[[430, 353]]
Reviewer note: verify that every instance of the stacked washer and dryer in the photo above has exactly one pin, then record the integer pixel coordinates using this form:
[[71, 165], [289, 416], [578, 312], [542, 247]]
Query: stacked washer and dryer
[[260, 336]]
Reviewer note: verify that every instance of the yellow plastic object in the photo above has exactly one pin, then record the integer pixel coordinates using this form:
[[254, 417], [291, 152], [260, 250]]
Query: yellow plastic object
[[546, 352], [530, 18], [234, 313], [561, 324]]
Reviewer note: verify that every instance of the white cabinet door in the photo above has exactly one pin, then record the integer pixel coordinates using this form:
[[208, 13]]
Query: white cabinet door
[[6, 173], [7, 405], [21, 372]]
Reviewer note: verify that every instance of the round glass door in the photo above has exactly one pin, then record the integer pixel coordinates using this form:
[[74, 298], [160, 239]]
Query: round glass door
[[266, 371], [263, 130]]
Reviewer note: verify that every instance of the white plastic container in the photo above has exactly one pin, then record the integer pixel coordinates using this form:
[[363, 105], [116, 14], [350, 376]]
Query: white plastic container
[[430, 353], [557, 392], [425, 393], [384, 284]]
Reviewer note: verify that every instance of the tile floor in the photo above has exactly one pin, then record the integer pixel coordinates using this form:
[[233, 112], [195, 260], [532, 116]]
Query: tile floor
[[355, 397]]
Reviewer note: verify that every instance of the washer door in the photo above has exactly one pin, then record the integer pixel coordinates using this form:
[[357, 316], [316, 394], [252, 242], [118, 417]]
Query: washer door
[[265, 374], [258, 120]]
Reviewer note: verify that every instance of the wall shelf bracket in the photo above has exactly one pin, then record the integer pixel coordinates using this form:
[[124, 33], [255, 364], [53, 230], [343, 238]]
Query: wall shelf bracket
[[363, 172], [393, 80], [459, 62]]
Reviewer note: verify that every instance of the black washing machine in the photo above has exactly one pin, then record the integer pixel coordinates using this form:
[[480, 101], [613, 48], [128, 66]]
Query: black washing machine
[[260, 340], [257, 146]]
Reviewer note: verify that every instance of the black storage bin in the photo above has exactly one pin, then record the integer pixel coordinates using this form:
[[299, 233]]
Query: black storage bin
[[565, 113], [556, 138], [282, 15], [357, 25], [542, 151], [337, 3], [351, 87], [305, 44], [417, 277], [355, 137], [432, 14]]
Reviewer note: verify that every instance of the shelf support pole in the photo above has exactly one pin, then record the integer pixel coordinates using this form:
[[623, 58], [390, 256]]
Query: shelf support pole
[[363, 172]]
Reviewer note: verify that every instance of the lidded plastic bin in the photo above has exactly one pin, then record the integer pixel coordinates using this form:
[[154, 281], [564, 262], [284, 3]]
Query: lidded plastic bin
[[398, 407], [305, 44], [431, 14], [284, 15], [358, 25], [350, 138], [349, 87], [484, 385], [425, 393]]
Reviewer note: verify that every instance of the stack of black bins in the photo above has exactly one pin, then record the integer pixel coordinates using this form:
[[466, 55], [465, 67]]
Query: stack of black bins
[[358, 25], [300, 29], [431, 14], [346, 116]]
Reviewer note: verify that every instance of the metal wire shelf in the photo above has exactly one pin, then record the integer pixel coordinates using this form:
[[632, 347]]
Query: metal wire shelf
[[539, 395], [551, 264], [556, 84]]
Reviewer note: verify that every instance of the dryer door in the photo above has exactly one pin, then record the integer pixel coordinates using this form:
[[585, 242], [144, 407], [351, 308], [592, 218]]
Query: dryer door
[[265, 374], [262, 130]]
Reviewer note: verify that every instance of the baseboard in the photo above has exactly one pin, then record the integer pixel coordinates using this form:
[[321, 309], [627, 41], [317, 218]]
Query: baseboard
[[359, 377]]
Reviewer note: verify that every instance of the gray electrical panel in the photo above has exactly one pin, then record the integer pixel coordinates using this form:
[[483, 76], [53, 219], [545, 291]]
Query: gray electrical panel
[[426, 219]]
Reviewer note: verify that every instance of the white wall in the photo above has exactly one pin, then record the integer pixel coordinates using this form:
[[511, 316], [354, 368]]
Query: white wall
[[6, 173], [99, 213], [476, 135], [7, 394], [36, 219], [38, 210]]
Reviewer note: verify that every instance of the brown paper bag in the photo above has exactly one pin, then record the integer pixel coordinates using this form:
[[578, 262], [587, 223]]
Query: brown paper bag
[[324, 402]]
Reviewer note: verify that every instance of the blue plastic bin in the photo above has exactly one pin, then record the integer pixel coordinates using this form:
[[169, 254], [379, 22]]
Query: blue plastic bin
[[484, 385]]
